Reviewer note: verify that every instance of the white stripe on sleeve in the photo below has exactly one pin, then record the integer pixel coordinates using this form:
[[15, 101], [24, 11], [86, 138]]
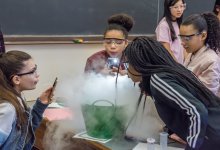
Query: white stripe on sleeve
[[172, 94]]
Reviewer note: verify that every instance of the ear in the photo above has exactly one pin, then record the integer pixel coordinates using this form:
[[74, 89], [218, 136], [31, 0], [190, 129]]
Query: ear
[[204, 35], [15, 80], [126, 43]]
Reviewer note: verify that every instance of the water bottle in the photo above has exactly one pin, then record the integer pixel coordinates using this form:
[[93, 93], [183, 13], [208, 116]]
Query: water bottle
[[163, 140], [150, 143]]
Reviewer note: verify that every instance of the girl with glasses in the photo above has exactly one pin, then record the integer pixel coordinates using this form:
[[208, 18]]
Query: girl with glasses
[[18, 73], [185, 105], [115, 40], [200, 34], [167, 30]]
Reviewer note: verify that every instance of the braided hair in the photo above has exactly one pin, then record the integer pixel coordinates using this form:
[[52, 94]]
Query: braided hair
[[206, 22], [148, 57]]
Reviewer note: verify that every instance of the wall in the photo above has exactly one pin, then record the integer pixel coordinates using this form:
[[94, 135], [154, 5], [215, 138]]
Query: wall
[[56, 60]]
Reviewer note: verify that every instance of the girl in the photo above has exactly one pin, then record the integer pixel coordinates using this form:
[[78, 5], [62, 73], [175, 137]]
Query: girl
[[18, 73], [167, 30], [200, 36], [185, 105], [2, 44], [115, 41], [216, 8]]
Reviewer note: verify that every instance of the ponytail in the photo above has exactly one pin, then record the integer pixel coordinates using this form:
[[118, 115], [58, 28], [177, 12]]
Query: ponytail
[[213, 31], [206, 22]]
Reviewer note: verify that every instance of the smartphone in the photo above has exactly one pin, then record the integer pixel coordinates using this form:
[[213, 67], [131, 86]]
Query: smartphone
[[113, 62], [53, 87]]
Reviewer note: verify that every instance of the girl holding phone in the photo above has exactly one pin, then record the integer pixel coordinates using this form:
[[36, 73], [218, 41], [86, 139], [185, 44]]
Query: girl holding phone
[[18, 73]]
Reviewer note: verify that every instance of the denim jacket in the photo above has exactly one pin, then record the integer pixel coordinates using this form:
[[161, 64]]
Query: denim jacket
[[23, 138]]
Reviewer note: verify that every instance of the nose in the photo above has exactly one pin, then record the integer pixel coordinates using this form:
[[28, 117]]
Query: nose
[[37, 75], [182, 42], [179, 9], [113, 45]]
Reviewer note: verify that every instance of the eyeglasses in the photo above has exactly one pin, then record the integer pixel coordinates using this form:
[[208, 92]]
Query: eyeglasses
[[113, 40], [126, 65], [187, 38], [182, 6], [33, 71]]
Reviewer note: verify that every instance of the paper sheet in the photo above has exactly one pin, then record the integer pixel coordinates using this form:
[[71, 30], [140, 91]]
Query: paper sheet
[[143, 146], [54, 105], [84, 135], [58, 113]]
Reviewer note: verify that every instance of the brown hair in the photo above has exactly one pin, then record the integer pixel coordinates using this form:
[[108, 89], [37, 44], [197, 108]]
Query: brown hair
[[11, 63]]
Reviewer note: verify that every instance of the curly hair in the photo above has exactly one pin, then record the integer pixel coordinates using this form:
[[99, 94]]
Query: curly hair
[[206, 22], [121, 22]]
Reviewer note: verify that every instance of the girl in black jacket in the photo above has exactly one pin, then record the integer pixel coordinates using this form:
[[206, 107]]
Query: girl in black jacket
[[185, 105]]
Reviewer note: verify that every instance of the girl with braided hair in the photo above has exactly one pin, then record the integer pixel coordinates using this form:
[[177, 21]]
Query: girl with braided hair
[[200, 35], [185, 105]]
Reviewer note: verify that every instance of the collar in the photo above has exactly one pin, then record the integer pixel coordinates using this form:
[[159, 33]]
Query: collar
[[200, 51]]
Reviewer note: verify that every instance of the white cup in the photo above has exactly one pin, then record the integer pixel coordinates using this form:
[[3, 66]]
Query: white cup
[[150, 144]]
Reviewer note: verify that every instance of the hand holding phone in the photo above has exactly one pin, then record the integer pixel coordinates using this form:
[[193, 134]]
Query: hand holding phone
[[113, 62]]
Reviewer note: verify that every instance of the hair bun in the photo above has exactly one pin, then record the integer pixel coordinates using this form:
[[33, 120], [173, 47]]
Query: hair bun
[[123, 20]]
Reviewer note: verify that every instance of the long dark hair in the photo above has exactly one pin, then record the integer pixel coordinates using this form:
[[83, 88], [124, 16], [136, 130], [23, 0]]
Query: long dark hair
[[148, 57], [2, 43], [168, 16], [206, 22], [217, 5], [121, 22], [11, 63]]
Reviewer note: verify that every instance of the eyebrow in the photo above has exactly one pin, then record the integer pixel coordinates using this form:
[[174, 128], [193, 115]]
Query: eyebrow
[[34, 68], [114, 39]]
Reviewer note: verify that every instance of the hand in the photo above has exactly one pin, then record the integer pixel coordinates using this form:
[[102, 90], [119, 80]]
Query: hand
[[46, 96], [121, 71], [106, 71], [177, 138]]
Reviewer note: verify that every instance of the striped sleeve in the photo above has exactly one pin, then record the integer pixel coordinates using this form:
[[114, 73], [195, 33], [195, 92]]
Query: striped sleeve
[[196, 111], [7, 117]]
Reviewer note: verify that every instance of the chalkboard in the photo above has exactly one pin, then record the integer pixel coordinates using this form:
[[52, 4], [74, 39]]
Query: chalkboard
[[83, 17]]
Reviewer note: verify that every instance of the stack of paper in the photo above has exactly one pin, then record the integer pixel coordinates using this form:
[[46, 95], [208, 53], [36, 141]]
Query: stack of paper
[[84, 135], [143, 146]]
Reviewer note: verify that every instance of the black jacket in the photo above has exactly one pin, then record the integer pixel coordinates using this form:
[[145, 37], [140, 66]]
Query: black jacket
[[184, 113]]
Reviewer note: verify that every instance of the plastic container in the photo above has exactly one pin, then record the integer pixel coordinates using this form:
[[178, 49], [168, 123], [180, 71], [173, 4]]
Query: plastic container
[[104, 121], [163, 140], [150, 144]]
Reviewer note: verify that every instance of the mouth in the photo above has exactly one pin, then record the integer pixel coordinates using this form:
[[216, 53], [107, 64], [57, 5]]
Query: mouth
[[113, 53]]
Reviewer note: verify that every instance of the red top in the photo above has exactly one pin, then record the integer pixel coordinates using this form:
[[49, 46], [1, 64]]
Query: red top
[[97, 62]]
